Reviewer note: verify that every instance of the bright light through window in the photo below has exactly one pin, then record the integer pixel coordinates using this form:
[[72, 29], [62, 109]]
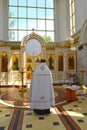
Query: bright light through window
[[25, 15], [72, 17]]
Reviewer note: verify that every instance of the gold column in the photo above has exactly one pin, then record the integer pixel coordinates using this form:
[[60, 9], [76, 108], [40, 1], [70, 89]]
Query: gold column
[[82, 70], [22, 79]]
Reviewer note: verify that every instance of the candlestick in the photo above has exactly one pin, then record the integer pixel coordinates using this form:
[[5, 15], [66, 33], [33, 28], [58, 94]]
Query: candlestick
[[82, 70]]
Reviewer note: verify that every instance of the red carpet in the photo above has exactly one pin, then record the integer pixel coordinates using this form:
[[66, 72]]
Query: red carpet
[[14, 96]]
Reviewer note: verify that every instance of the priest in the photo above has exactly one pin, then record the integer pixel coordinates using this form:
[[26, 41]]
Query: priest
[[41, 89]]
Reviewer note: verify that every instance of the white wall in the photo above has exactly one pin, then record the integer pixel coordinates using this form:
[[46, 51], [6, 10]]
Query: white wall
[[80, 12], [3, 19], [61, 20], [0, 19]]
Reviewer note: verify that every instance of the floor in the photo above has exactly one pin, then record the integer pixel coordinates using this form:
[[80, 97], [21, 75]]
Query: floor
[[15, 113]]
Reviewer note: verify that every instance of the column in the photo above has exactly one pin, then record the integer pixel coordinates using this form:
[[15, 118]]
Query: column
[[4, 20], [61, 20]]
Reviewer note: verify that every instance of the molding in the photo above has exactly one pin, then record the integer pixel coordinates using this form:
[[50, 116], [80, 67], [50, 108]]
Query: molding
[[32, 36], [76, 36], [83, 33]]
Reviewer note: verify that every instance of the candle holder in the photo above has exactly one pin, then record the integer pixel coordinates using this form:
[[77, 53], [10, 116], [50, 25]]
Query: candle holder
[[22, 79], [82, 70]]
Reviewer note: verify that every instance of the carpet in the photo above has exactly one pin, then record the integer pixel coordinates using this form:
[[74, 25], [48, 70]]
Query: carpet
[[12, 97]]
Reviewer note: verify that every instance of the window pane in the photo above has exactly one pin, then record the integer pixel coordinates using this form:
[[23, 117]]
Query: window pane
[[22, 12], [49, 14], [73, 7], [29, 32], [69, 1], [22, 23], [51, 35], [12, 23], [21, 35], [49, 25], [12, 11], [72, 16], [41, 33], [41, 3], [41, 24], [22, 2], [31, 24], [25, 15], [31, 12], [41, 13], [31, 2], [12, 35], [49, 3], [12, 2]]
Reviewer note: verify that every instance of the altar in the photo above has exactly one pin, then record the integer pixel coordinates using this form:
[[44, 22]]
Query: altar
[[71, 92]]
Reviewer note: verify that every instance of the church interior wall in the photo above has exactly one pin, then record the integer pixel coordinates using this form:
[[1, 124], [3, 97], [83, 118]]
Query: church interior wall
[[61, 35], [3, 20], [80, 12], [82, 52], [17, 57], [82, 61]]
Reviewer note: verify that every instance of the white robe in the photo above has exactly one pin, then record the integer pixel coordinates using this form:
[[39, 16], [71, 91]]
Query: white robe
[[41, 89]]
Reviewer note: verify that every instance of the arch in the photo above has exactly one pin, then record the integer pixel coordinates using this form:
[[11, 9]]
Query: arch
[[33, 36], [27, 43], [83, 35]]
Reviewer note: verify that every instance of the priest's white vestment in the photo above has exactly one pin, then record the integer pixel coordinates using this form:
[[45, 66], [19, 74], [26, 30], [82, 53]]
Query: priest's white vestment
[[41, 89]]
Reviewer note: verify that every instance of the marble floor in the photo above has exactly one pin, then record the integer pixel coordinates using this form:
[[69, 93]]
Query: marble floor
[[15, 113]]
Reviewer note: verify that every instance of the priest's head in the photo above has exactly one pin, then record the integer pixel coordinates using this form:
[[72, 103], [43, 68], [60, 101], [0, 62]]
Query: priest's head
[[42, 60]]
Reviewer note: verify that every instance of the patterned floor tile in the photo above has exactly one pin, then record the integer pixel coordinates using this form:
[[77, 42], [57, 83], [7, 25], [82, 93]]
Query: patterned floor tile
[[65, 116]]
